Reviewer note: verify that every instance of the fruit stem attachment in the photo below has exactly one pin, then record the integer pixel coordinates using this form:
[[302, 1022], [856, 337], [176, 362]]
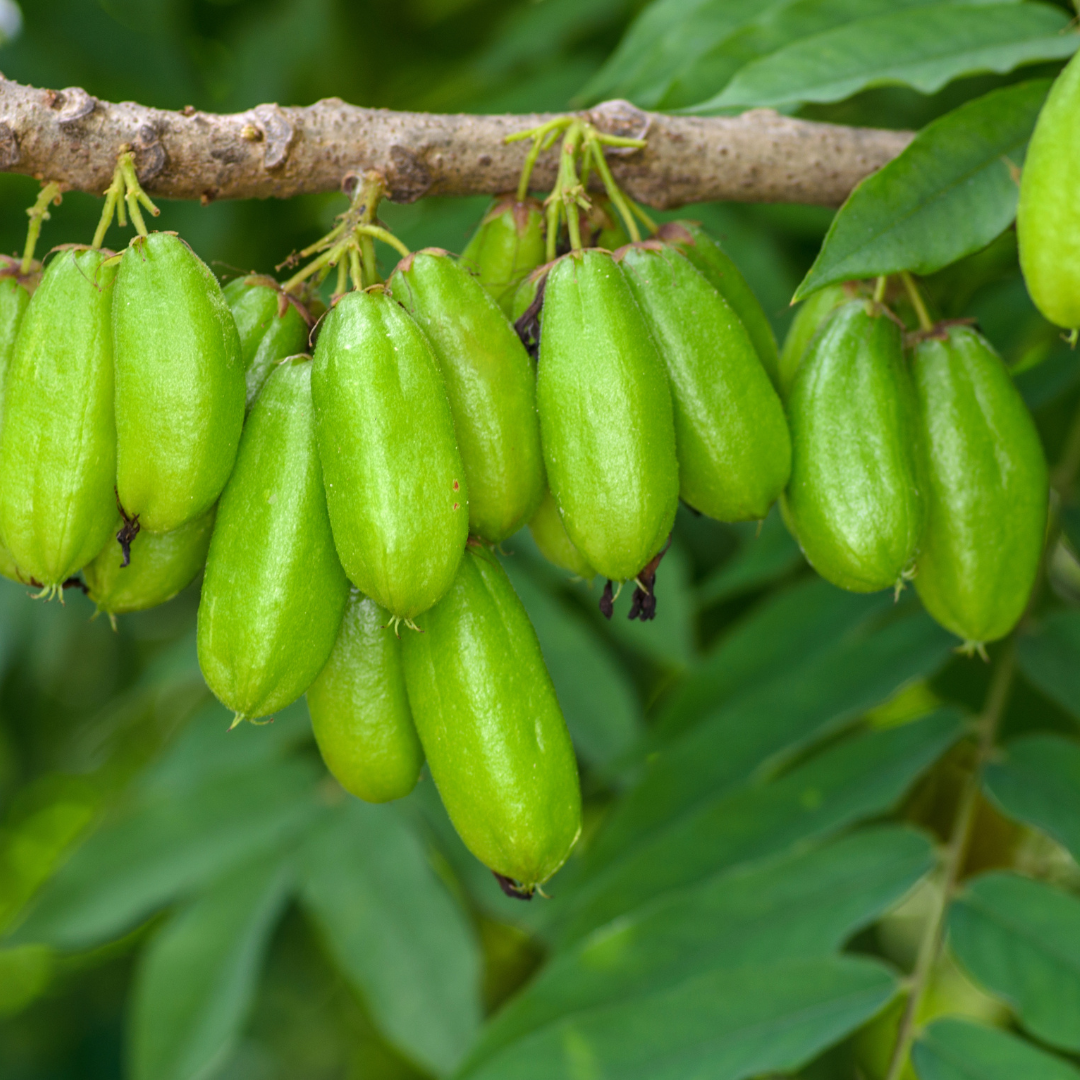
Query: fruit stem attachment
[[38, 213], [879, 288], [387, 237], [925, 322], [125, 192]]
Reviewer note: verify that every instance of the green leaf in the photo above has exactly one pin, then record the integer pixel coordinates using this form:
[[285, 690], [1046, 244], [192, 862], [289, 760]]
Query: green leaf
[[800, 905], [1021, 940], [724, 1025], [850, 781], [1050, 657], [597, 700], [1039, 783], [959, 1050], [395, 932], [195, 982], [168, 847], [925, 48], [947, 195]]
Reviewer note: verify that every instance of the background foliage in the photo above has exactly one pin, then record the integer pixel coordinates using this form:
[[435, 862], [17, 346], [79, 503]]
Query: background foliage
[[767, 768]]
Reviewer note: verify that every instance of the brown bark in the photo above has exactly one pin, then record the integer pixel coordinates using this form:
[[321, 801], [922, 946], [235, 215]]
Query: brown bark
[[269, 151]]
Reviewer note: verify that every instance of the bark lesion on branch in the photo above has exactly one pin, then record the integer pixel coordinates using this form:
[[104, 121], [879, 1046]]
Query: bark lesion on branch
[[72, 137]]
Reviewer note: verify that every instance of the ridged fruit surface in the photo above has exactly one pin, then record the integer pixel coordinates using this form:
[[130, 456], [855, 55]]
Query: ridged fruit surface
[[605, 417], [360, 709], [810, 317], [547, 530], [395, 485], [491, 726], [508, 244], [274, 591], [987, 488], [490, 384]]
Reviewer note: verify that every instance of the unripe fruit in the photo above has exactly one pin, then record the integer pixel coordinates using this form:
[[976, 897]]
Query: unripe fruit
[[853, 501], [179, 383], [58, 440], [987, 488], [547, 530], [490, 385], [1048, 215], [161, 565], [395, 485], [274, 590], [360, 710], [605, 417], [271, 325], [507, 245], [602, 226], [811, 316], [730, 431], [487, 715], [724, 276]]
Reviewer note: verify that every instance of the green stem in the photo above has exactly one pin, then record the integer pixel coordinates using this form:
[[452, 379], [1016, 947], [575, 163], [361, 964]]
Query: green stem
[[925, 322], [879, 288], [38, 213], [614, 193], [542, 138], [342, 278], [135, 197], [113, 198], [385, 236]]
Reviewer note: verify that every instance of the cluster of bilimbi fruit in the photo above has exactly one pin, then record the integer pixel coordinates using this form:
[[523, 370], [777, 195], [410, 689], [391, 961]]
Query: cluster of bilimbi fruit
[[345, 503]]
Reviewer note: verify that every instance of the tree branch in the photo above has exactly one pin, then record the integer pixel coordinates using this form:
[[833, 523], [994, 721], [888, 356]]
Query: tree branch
[[269, 151]]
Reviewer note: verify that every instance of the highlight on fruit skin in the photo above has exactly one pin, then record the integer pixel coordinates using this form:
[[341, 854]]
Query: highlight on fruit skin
[[508, 244]]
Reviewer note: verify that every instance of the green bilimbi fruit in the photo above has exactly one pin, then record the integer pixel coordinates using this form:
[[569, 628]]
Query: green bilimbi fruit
[[547, 530], [508, 244], [161, 565], [490, 385], [604, 224], [854, 501], [724, 276], [812, 315], [395, 485], [274, 591], [272, 325], [605, 417], [179, 383], [986, 493], [1048, 216], [489, 721], [58, 439], [730, 431], [360, 710]]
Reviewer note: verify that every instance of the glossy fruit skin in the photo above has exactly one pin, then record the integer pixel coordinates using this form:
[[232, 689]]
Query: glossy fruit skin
[[810, 317], [161, 565], [1048, 215], [179, 383], [487, 715], [508, 244], [271, 326], [395, 485], [274, 591], [987, 488], [605, 417], [58, 462], [547, 530], [490, 385], [854, 500], [720, 270], [731, 434], [360, 709]]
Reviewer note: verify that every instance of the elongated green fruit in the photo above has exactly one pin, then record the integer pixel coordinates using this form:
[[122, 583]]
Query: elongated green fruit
[[507, 245], [58, 440], [271, 325], [547, 530], [1048, 216], [810, 317], [274, 591], [605, 417], [179, 383], [161, 565], [987, 488], [490, 385], [854, 501], [360, 710], [720, 269], [395, 485], [491, 726], [730, 431]]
